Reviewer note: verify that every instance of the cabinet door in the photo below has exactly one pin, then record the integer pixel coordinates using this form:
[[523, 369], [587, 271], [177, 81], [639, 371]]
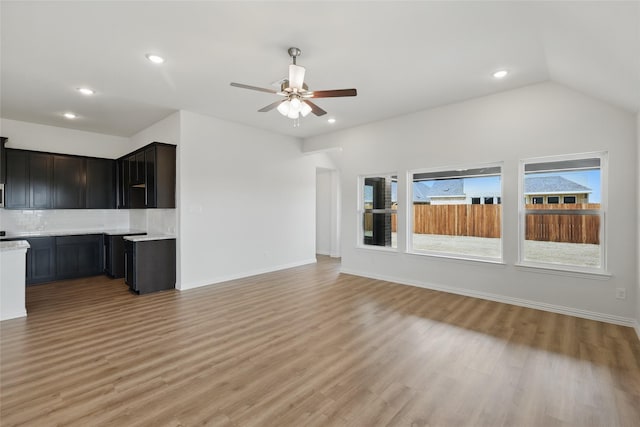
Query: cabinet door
[[3, 160], [68, 182], [79, 256], [150, 177], [41, 260], [165, 176], [129, 264], [17, 185], [40, 180], [123, 184], [100, 190]]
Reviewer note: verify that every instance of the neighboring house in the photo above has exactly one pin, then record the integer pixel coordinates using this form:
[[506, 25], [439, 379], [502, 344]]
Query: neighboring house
[[450, 192], [554, 190]]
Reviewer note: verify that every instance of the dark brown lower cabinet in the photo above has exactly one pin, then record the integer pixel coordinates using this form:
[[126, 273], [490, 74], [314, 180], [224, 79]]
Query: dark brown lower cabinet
[[79, 256], [41, 260], [114, 254], [150, 265]]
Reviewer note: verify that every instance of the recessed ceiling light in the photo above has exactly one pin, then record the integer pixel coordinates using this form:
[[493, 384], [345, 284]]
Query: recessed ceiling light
[[156, 59], [86, 91], [331, 121], [500, 74], [70, 115]]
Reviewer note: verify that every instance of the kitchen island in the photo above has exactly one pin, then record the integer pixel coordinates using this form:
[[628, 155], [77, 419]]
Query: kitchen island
[[12, 279]]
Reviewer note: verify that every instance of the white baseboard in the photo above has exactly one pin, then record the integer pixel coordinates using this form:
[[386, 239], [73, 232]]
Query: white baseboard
[[220, 279], [637, 327], [14, 314], [318, 252], [585, 314]]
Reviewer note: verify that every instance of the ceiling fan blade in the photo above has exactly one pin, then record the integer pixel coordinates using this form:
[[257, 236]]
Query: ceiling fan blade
[[333, 93], [296, 76], [271, 106], [315, 109], [259, 89]]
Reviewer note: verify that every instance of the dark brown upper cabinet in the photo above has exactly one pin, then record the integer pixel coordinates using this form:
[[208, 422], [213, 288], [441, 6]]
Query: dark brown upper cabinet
[[148, 177], [100, 184], [29, 180], [38, 180], [69, 182]]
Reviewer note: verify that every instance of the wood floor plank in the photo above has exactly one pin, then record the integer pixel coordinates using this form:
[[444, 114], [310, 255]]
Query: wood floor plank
[[308, 346]]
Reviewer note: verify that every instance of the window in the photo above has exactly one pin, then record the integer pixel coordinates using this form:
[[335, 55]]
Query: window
[[448, 218], [378, 210], [537, 200], [567, 235]]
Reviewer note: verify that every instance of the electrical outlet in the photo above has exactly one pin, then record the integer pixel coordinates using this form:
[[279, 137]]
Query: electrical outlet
[[621, 293]]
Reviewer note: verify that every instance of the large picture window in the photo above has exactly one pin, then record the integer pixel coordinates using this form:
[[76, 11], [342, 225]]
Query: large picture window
[[378, 210], [562, 212], [457, 213]]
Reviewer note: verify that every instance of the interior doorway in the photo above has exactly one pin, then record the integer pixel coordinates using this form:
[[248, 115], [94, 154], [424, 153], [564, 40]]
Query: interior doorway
[[327, 212]]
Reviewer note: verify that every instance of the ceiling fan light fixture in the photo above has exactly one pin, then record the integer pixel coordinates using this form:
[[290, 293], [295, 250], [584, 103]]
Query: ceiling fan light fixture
[[296, 104], [284, 107], [305, 109], [293, 114]]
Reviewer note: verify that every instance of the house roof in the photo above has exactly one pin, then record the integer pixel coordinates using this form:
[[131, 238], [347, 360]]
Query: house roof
[[552, 184], [422, 192]]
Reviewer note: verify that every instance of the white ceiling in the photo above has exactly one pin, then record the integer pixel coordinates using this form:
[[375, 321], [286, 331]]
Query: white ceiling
[[401, 56]]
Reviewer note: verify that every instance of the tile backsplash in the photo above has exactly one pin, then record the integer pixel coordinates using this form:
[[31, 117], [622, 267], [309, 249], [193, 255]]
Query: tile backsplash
[[154, 221], [62, 219], [162, 221]]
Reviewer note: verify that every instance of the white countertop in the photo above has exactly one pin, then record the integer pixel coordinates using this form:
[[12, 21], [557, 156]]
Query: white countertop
[[14, 245], [46, 233], [148, 237]]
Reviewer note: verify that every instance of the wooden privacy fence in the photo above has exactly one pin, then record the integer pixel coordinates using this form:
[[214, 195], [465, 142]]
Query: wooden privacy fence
[[484, 221], [570, 228]]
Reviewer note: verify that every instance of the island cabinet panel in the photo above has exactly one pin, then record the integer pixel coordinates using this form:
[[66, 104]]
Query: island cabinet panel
[[150, 266], [68, 182], [79, 256]]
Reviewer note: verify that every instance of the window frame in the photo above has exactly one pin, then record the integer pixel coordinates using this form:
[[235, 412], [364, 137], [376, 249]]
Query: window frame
[[449, 255], [361, 211], [600, 270]]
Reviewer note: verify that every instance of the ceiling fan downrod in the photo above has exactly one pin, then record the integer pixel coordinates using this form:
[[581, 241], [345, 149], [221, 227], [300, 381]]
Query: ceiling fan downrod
[[294, 52]]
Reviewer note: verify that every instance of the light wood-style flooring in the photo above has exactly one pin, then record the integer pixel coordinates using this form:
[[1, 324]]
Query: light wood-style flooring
[[308, 346]]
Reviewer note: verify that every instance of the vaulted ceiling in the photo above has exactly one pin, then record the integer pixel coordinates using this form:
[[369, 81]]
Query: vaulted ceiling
[[401, 56]]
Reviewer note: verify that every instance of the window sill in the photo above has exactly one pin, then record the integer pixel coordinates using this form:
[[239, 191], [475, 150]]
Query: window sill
[[563, 271], [382, 249], [458, 258]]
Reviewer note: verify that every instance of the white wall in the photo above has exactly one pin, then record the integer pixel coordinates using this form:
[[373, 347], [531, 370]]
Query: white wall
[[538, 120], [638, 222], [323, 212], [166, 130], [247, 201], [32, 136]]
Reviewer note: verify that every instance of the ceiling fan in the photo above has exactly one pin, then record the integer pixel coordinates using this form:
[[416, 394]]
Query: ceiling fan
[[296, 95]]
